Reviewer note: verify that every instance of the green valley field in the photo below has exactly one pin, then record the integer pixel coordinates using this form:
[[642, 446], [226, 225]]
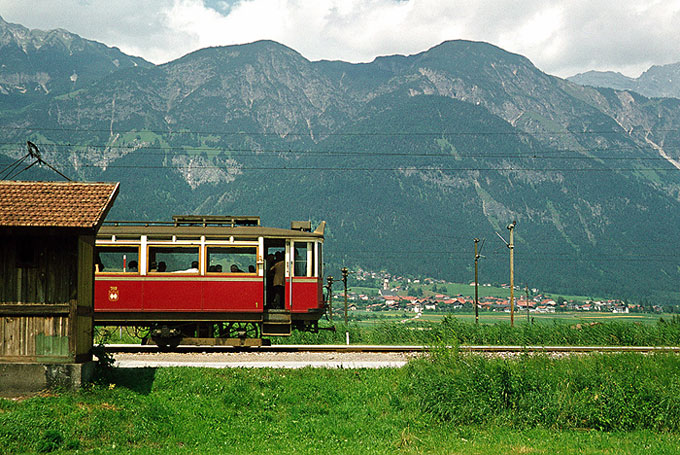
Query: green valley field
[[363, 318], [396, 328], [437, 330], [446, 403]]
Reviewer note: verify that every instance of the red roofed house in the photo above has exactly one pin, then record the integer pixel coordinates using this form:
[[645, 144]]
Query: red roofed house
[[47, 235]]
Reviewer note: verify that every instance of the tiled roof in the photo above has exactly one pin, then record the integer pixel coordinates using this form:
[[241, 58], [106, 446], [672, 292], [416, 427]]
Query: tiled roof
[[55, 204]]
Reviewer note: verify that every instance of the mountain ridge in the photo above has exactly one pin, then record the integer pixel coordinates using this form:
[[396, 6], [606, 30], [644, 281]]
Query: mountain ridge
[[37, 63], [658, 81], [408, 157]]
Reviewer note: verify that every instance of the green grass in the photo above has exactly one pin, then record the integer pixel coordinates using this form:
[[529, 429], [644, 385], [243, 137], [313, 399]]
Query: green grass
[[606, 392], [454, 331], [446, 404], [453, 289], [367, 318], [359, 290], [494, 329], [575, 298]]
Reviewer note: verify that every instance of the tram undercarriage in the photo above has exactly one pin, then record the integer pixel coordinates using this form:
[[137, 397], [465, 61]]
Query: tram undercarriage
[[169, 330]]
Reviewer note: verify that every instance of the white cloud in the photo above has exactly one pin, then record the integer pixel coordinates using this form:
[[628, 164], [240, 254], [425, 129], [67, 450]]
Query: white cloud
[[561, 36]]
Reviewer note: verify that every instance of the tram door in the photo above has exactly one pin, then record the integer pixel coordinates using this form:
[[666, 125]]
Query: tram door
[[275, 274]]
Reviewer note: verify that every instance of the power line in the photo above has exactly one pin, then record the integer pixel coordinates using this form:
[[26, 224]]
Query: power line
[[671, 259], [368, 169], [255, 152], [34, 153], [346, 133]]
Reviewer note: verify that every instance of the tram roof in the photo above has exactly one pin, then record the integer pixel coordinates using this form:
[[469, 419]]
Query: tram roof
[[211, 231]]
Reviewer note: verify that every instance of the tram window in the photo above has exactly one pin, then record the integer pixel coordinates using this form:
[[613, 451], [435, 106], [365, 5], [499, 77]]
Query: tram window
[[231, 259], [173, 259], [117, 259], [300, 254]]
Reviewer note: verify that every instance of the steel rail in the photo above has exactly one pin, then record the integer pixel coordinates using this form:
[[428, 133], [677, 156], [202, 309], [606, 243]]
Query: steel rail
[[133, 348]]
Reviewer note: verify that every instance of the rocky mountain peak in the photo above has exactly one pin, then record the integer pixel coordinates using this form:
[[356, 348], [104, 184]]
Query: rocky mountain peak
[[657, 81], [462, 138], [36, 63]]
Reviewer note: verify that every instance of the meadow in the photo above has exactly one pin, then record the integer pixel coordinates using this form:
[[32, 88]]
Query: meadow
[[367, 318], [445, 403], [453, 331], [394, 328]]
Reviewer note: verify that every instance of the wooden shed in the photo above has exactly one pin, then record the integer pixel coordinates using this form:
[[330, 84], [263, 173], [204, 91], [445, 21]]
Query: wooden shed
[[47, 235]]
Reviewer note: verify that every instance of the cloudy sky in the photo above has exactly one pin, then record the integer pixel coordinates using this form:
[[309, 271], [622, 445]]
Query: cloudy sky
[[561, 37]]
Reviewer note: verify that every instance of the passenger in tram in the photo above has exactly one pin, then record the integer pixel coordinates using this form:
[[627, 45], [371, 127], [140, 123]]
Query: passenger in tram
[[212, 268], [300, 264], [132, 266], [153, 267], [218, 268], [279, 281], [192, 269], [162, 266], [235, 269], [251, 268], [268, 263]]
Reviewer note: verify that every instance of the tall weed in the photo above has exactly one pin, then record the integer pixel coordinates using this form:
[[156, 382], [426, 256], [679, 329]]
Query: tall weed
[[604, 392], [452, 331]]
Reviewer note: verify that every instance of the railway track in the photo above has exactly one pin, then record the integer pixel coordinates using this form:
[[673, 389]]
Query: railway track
[[322, 356], [341, 348]]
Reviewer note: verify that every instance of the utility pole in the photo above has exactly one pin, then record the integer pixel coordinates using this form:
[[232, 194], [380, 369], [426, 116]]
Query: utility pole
[[527, 291], [330, 296], [511, 245], [476, 284], [344, 281]]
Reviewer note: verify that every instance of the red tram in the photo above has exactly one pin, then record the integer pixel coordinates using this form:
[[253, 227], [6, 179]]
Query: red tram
[[209, 279]]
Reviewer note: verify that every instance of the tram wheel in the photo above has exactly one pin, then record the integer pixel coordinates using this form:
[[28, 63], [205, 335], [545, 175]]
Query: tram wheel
[[242, 330], [166, 337], [167, 342]]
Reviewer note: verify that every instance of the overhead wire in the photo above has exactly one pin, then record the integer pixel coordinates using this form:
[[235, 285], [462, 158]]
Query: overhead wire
[[553, 155], [10, 168], [667, 258], [371, 169], [73, 148], [343, 133], [632, 258]]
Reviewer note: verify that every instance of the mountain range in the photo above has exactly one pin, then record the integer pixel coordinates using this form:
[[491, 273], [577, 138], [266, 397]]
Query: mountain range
[[659, 81], [408, 158], [37, 64]]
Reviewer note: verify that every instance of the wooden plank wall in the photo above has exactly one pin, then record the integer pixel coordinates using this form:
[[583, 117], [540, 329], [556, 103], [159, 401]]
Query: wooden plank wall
[[52, 279], [19, 340], [37, 299], [82, 311]]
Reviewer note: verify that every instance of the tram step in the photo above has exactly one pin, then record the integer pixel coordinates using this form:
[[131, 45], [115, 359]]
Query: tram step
[[276, 317], [276, 329]]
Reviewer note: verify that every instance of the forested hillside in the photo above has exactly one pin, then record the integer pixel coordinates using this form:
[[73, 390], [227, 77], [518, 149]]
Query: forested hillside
[[408, 158]]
